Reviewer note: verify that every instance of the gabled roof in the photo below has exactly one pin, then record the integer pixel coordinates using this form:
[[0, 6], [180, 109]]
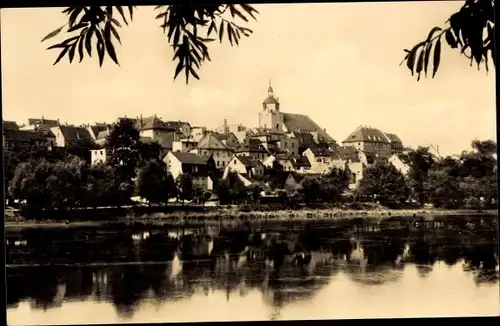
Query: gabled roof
[[348, 153], [176, 124], [225, 136], [251, 145], [303, 123], [247, 161], [189, 158], [321, 152], [22, 135], [304, 138], [71, 133], [302, 161], [98, 127], [49, 122], [393, 138], [367, 134], [10, 125], [210, 141], [148, 123]]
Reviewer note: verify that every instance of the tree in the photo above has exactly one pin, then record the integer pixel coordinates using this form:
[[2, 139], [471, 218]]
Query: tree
[[255, 190], [188, 27], [335, 183], [186, 187], [311, 189], [123, 143], [420, 162], [152, 182], [465, 32], [385, 183], [81, 148], [231, 189], [443, 184], [171, 187], [148, 151]]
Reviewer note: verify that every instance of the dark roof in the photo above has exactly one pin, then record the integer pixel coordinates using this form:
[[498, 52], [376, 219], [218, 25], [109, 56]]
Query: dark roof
[[371, 157], [46, 132], [271, 100], [148, 123], [302, 161], [251, 145], [22, 135], [147, 140], [321, 152], [49, 122], [97, 128], [348, 153], [393, 138], [225, 136], [247, 161], [304, 138], [165, 140], [404, 158], [367, 134], [303, 123], [176, 124], [10, 125], [211, 141], [102, 134], [71, 133], [189, 158]]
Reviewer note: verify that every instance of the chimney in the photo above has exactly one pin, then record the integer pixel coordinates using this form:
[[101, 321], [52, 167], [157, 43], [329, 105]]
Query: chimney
[[58, 123], [225, 126]]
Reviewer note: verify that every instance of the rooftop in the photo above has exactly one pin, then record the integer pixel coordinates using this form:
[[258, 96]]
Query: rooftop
[[189, 158]]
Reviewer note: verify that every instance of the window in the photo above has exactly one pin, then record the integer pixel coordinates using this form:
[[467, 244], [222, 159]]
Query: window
[[218, 163], [277, 126], [101, 152]]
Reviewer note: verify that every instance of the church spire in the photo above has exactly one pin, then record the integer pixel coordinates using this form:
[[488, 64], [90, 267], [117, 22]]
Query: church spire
[[270, 89]]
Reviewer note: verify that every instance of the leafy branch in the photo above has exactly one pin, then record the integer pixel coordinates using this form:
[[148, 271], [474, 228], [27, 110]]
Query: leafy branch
[[188, 28], [471, 30]]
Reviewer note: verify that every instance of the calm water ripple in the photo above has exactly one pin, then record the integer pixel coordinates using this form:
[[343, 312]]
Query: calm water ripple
[[315, 270]]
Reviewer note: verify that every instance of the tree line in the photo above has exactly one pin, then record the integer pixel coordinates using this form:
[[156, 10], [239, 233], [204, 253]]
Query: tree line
[[62, 178]]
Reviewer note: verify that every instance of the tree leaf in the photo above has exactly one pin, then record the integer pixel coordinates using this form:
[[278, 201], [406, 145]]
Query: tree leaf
[[178, 69], [115, 33], [100, 47], [410, 62], [116, 22], [431, 33], [61, 55], [427, 52], [88, 41], [74, 16], [437, 57], [211, 28], [193, 72], [80, 47], [53, 33], [131, 12], [230, 33], [71, 53], [450, 39], [120, 10], [77, 26], [485, 54], [111, 51], [221, 31]]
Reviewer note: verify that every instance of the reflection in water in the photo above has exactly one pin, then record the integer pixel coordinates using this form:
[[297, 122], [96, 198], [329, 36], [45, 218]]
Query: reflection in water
[[252, 272]]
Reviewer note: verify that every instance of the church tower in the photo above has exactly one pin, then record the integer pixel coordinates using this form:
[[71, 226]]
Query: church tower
[[270, 118]]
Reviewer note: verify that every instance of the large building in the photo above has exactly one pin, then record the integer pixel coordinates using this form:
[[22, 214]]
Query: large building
[[272, 119], [373, 140]]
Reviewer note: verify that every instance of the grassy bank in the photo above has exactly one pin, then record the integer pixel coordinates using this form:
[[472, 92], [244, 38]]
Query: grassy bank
[[216, 215]]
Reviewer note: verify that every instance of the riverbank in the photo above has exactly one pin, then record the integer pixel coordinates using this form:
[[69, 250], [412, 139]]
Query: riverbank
[[232, 215]]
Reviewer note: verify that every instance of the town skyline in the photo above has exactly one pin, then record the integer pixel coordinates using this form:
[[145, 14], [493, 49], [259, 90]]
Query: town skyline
[[350, 81]]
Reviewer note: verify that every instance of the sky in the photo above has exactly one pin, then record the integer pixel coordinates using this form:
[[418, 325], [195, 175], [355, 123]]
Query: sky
[[336, 62]]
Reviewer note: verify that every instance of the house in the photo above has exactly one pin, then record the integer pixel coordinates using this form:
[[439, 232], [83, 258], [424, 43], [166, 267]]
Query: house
[[302, 164], [95, 129], [229, 139], [98, 156], [239, 131], [400, 162], [101, 137], [396, 143], [292, 182], [65, 134], [178, 163], [210, 145], [181, 127], [285, 160], [246, 166], [370, 140], [320, 159], [9, 125], [18, 139], [197, 133], [37, 122], [184, 145], [156, 129], [253, 149]]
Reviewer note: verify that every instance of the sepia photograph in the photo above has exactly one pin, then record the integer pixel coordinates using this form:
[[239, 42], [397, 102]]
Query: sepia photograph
[[249, 162]]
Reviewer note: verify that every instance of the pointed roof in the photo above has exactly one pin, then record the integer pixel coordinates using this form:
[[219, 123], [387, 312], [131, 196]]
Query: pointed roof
[[211, 141], [10, 125], [247, 161], [348, 153], [393, 138], [71, 133], [303, 123], [189, 158], [367, 134], [251, 145], [149, 123]]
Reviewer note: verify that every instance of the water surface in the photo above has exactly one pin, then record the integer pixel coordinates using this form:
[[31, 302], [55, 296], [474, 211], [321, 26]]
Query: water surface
[[274, 270]]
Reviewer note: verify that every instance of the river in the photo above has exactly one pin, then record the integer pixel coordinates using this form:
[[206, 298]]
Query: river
[[355, 268]]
